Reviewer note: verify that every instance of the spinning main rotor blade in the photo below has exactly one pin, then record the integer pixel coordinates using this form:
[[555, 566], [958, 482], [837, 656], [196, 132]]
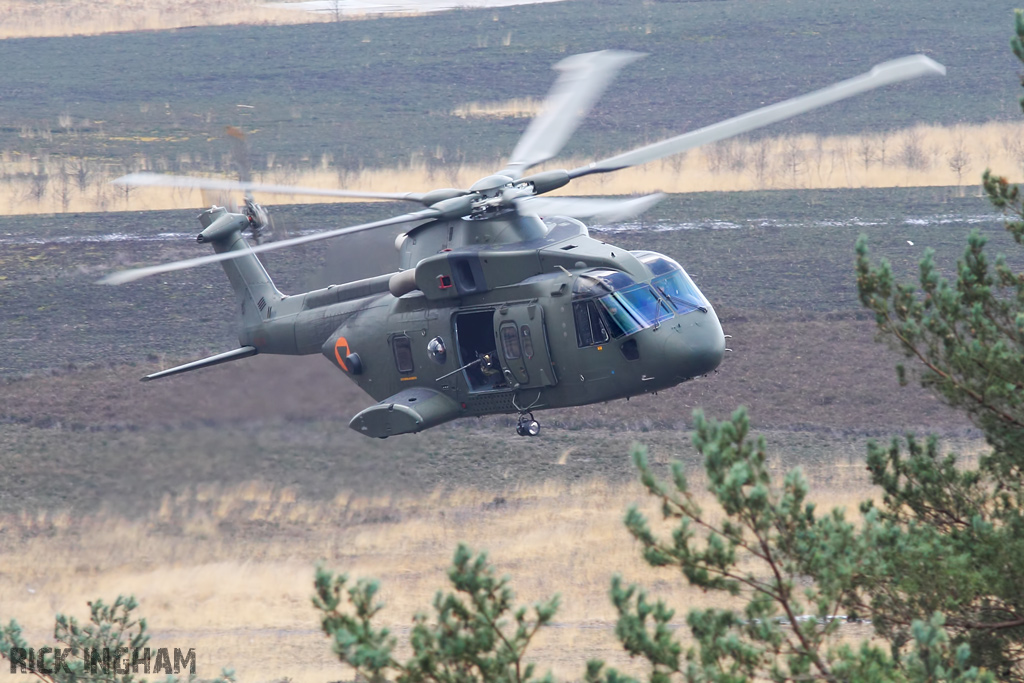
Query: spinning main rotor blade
[[882, 74], [602, 210], [160, 180], [584, 77], [124, 276]]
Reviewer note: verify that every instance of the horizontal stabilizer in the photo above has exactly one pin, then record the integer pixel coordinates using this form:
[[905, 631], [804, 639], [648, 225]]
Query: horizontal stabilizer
[[407, 412], [243, 352]]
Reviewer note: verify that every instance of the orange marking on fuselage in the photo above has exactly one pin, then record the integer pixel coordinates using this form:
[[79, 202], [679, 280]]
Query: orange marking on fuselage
[[341, 351]]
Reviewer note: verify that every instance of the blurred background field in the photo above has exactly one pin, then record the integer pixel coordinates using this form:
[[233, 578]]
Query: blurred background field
[[923, 156], [56, 18], [414, 102]]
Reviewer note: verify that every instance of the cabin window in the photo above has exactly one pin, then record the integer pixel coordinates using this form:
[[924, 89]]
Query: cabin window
[[510, 341], [402, 347], [590, 329], [524, 331]]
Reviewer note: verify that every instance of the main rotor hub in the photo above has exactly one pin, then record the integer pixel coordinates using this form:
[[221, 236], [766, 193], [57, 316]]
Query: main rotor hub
[[492, 185]]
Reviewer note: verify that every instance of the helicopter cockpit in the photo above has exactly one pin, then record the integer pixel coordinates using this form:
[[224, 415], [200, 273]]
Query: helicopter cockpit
[[672, 282], [608, 304], [611, 304]]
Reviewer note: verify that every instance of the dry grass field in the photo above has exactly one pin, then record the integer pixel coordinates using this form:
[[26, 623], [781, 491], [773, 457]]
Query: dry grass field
[[923, 156], [29, 18], [55, 18], [228, 571]]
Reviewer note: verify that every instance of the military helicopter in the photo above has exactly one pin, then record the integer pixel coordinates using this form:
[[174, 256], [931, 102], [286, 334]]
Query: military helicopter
[[502, 302]]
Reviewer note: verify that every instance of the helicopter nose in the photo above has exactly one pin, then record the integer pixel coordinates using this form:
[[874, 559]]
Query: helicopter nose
[[695, 344]]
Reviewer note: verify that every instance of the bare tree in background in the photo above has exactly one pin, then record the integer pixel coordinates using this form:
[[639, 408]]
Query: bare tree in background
[[736, 155], [912, 154], [716, 155], [38, 182], [792, 158], [867, 150], [761, 161], [1013, 146], [64, 185], [840, 156], [817, 157], [336, 7], [675, 162], [883, 143], [129, 164], [959, 159], [82, 170]]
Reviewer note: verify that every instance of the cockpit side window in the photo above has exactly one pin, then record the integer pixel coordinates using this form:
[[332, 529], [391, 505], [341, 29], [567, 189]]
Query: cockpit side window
[[590, 328], [617, 316], [609, 303]]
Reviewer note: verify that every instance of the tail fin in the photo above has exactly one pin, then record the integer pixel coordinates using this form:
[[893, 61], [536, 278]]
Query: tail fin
[[255, 293]]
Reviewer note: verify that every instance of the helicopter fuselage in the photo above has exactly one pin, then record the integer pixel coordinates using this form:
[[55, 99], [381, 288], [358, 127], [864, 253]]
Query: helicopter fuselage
[[507, 325]]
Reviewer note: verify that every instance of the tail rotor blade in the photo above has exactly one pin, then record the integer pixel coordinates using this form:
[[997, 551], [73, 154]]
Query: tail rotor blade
[[882, 74], [584, 77]]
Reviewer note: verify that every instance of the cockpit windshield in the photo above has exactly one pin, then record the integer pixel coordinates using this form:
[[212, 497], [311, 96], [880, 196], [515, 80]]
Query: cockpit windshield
[[610, 303], [643, 304], [672, 282]]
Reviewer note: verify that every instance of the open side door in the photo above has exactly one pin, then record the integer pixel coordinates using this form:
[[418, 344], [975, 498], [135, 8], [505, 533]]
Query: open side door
[[521, 340]]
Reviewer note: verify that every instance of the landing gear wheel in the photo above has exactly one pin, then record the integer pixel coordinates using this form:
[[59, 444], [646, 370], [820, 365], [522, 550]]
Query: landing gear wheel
[[527, 426]]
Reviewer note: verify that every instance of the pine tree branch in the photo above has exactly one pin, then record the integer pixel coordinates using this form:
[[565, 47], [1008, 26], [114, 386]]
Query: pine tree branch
[[784, 601], [494, 627], [979, 399]]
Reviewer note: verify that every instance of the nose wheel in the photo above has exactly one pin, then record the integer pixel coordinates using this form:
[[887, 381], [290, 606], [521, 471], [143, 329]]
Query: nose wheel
[[527, 426]]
